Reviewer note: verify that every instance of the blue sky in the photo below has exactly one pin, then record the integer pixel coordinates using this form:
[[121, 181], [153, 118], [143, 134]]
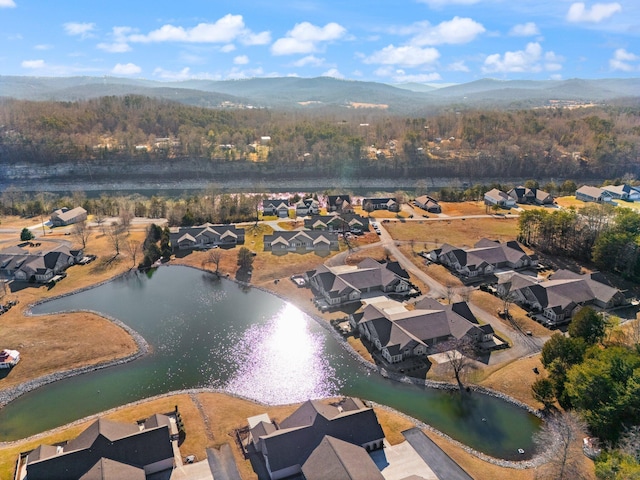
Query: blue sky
[[426, 41]]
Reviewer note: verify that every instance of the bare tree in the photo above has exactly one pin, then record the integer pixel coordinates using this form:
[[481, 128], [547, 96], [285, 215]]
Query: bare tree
[[458, 353], [449, 292], [133, 248], [81, 233], [215, 257], [559, 438], [125, 218], [507, 297], [465, 293], [115, 232]]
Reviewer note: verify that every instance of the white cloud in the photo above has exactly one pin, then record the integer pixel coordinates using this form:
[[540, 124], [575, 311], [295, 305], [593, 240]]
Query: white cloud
[[229, 47], [333, 72], [43, 46], [7, 4], [305, 38], [224, 30], [455, 31], [126, 69], [524, 30], [409, 55], [309, 60], [120, 41], [241, 60], [623, 61], [531, 59], [578, 12], [83, 30], [34, 64], [237, 74]]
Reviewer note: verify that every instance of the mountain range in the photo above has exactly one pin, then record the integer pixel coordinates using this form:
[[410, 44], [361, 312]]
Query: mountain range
[[306, 93]]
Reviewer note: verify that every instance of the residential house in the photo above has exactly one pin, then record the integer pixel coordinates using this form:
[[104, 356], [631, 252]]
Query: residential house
[[398, 333], [287, 447], [301, 241], [343, 223], [484, 258], [339, 203], [530, 196], [346, 284], [107, 450], [339, 460], [206, 236], [562, 294], [307, 206], [37, 266], [587, 193], [499, 198], [65, 216], [382, 203], [430, 204], [623, 192], [275, 207]]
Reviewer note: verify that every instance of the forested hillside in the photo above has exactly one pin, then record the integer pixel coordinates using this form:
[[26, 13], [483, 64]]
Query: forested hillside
[[586, 142]]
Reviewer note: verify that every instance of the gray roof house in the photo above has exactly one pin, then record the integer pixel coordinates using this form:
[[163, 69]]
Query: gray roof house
[[559, 297], [338, 223], [206, 236], [498, 197], [275, 206], [530, 196], [430, 204], [307, 206], [339, 203], [347, 284], [587, 193], [484, 258], [381, 203], [288, 446], [398, 333], [65, 216], [106, 450], [301, 242], [38, 266], [623, 192], [339, 460]]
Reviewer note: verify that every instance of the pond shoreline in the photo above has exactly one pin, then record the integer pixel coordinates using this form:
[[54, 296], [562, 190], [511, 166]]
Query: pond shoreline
[[143, 348]]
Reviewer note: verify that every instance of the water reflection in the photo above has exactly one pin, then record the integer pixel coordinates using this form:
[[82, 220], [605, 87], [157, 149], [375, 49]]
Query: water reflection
[[282, 361]]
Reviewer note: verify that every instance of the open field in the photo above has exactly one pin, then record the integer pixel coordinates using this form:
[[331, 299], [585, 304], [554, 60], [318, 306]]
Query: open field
[[570, 201], [457, 209], [457, 232]]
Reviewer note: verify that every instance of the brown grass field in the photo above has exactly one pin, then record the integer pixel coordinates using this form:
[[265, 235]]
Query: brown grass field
[[70, 338], [456, 232]]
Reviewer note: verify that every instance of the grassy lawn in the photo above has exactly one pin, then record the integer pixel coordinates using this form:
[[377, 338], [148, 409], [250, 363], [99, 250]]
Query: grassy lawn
[[570, 201], [456, 209], [456, 232]]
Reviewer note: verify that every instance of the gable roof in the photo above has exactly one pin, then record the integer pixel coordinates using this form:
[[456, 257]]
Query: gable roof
[[339, 460], [106, 469]]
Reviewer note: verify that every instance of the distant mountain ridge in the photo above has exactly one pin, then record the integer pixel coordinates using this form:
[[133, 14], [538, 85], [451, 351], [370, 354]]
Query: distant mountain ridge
[[295, 92]]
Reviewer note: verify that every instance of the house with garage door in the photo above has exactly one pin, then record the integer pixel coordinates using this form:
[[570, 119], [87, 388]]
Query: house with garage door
[[427, 203], [342, 223], [206, 236], [499, 198], [278, 207], [587, 193], [301, 242]]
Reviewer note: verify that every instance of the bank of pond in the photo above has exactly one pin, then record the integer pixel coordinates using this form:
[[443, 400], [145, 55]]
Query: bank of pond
[[206, 332]]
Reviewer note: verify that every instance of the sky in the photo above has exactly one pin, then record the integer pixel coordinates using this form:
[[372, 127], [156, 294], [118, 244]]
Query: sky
[[401, 41]]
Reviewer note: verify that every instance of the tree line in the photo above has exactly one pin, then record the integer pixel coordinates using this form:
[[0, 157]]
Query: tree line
[[608, 237], [599, 141]]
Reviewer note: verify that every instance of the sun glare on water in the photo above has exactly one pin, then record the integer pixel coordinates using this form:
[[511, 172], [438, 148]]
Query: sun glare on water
[[282, 361]]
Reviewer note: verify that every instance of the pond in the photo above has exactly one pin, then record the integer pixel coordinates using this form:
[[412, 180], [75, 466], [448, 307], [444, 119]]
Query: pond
[[206, 332]]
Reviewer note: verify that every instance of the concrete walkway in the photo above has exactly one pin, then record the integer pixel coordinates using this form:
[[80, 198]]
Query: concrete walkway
[[439, 462]]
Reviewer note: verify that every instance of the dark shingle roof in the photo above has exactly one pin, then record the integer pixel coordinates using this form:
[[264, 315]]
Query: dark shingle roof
[[338, 460]]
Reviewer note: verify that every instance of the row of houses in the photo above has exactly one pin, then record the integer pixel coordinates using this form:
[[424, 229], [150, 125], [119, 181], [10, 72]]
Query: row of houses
[[301, 241], [398, 333], [519, 194], [206, 236], [608, 193], [484, 258], [561, 295], [40, 266]]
